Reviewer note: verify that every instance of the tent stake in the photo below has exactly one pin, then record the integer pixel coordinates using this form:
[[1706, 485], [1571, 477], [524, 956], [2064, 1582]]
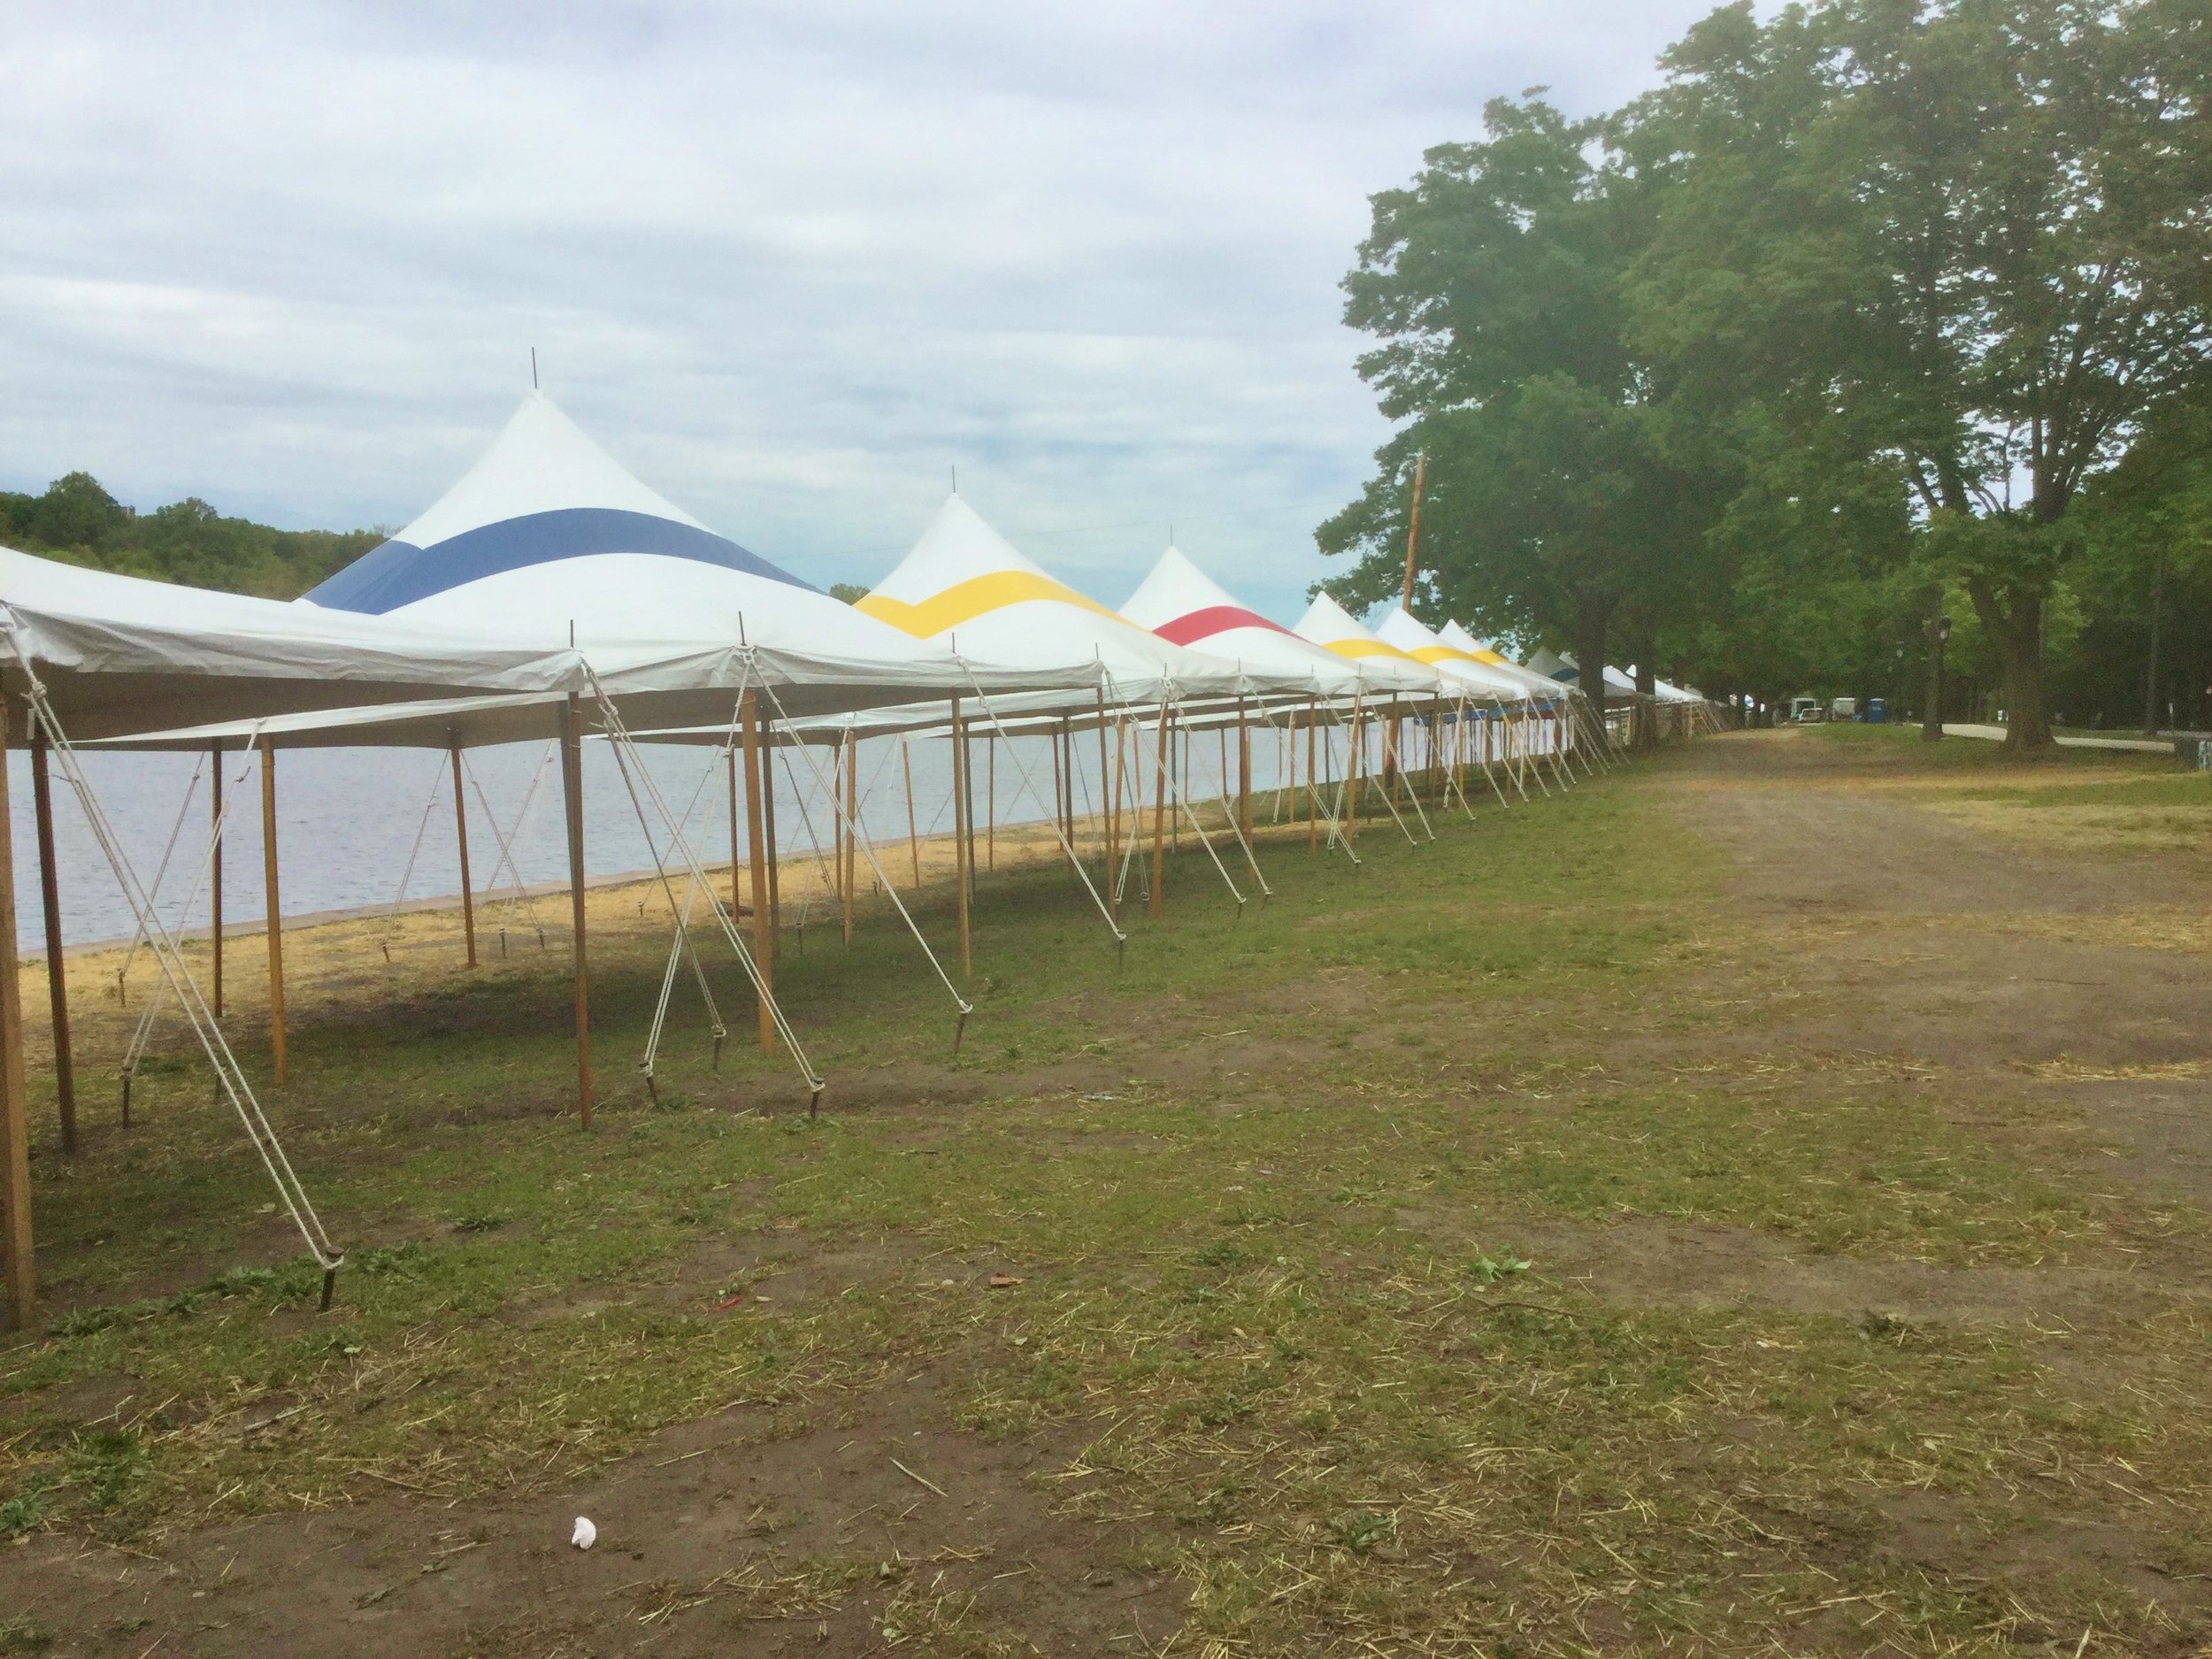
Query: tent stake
[[57, 979], [18, 1263], [755, 829], [461, 835], [276, 914], [215, 881], [573, 803]]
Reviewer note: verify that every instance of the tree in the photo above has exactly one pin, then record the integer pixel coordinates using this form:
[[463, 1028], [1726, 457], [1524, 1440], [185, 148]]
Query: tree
[[1962, 240], [76, 512], [1564, 493]]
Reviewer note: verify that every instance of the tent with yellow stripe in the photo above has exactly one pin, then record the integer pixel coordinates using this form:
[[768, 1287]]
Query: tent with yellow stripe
[[967, 587]]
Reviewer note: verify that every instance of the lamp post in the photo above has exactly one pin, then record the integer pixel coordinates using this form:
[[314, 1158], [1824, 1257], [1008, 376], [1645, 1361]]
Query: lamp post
[[1932, 722]]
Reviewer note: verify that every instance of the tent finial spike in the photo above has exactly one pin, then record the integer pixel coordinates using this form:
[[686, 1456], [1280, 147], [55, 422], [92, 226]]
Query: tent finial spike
[[955, 479], [533, 368]]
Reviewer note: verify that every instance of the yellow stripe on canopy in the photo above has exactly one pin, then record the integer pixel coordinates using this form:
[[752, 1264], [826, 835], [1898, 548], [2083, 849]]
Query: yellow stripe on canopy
[[963, 601], [1367, 647], [1441, 654]]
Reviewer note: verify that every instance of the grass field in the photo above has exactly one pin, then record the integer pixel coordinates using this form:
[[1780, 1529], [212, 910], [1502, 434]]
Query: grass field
[[1624, 1224]]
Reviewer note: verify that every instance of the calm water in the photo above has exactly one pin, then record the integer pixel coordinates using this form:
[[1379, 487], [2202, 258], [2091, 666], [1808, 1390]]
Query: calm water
[[351, 822]]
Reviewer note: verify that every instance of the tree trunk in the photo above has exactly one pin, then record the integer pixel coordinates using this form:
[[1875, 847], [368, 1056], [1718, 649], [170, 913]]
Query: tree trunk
[[1591, 617], [2016, 630]]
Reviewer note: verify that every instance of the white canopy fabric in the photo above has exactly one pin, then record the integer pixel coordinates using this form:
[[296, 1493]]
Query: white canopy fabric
[[1403, 630], [1540, 685], [1183, 605], [1560, 666], [122, 654], [964, 586], [1328, 625]]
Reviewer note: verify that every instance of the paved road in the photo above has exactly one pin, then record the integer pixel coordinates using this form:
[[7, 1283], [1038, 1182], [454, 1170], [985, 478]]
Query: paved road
[[2142, 745]]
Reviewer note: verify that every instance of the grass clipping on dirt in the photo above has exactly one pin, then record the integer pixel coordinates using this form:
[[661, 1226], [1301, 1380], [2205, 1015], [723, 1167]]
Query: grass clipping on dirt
[[1296, 1204]]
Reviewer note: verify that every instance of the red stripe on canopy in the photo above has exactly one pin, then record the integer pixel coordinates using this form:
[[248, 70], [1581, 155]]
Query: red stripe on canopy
[[1202, 624]]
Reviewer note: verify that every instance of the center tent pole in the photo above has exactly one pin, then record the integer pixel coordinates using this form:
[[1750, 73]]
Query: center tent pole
[[461, 834], [1159, 820], [18, 1267], [962, 844], [849, 872], [913, 835], [737, 904], [276, 912], [1244, 775], [57, 982], [755, 829], [573, 813], [215, 880]]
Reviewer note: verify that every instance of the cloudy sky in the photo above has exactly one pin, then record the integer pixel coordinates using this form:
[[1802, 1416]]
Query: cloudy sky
[[790, 262]]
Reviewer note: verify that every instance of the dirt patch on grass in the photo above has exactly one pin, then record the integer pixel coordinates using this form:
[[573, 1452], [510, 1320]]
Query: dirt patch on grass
[[869, 1523]]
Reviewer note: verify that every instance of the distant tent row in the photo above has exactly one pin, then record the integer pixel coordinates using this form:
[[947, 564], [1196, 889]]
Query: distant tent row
[[551, 595]]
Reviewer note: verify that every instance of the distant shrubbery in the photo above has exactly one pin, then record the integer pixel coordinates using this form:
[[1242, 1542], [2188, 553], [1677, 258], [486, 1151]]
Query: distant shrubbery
[[186, 541]]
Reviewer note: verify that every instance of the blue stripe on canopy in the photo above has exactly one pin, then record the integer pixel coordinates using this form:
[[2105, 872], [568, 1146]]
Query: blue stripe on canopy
[[399, 572]]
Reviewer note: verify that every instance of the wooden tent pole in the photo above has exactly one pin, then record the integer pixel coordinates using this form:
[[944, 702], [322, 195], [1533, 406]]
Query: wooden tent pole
[[18, 1265], [990, 799], [963, 846], [757, 834], [737, 863], [1113, 816], [1059, 793], [913, 835], [766, 942], [57, 979], [1312, 775], [1244, 773], [273, 899], [851, 871], [461, 835], [215, 880], [1159, 819], [572, 815], [1105, 801]]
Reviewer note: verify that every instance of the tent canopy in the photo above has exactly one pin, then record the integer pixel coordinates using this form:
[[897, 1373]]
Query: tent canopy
[[965, 586], [1404, 630], [1541, 685], [1183, 605], [1330, 625]]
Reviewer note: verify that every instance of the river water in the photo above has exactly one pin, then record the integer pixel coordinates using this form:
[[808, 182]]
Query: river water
[[358, 828]]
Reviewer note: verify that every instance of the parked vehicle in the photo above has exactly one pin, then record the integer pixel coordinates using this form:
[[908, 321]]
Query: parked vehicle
[[1844, 709], [1806, 711]]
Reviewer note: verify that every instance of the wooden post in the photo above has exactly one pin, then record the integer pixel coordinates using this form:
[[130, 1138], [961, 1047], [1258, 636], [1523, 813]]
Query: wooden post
[[1059, 794], [461, 835], [962, 847], [737, 899], [913, 835], [215, 879], [572, 815], [1067, 771], [275, 900], [767, 941], [1313, 776], [990, 799], [19, 1265], [1113, 813], [1105, 801], [757, 836], [1244, 773], [850, 873], [56, 982], [1159, 820]]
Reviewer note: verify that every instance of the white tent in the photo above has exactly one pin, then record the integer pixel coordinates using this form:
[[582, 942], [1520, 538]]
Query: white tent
[[1185, 606], [1403, 630], [965, 586], [1540, 685], [1328, 625]]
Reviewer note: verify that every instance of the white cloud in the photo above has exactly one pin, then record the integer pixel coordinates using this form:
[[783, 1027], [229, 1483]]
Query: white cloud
[[789, 262]]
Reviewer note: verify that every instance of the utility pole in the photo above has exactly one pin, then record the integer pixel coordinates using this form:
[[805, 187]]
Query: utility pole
[[1413, 527]]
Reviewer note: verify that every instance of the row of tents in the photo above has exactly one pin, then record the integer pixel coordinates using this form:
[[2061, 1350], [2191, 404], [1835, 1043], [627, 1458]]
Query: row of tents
[[550, 593]]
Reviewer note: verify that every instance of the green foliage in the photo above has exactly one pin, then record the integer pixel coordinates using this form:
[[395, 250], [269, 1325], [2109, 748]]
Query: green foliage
[[188, 542], [851, 593]]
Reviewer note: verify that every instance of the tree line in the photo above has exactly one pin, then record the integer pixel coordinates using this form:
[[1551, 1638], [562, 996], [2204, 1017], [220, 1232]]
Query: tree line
[[1878, 311], [186, 541]]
